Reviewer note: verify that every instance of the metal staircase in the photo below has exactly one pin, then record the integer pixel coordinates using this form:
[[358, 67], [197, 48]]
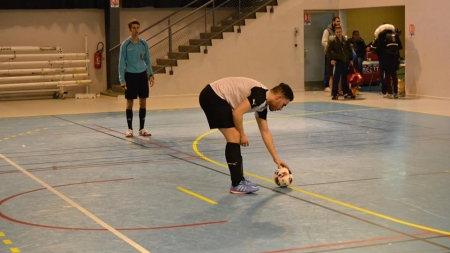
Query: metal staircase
[[188, 30]]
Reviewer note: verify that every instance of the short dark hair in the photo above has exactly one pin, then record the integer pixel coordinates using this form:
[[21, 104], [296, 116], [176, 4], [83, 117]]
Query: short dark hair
[[334, 19], [355, 31], [133, 21], [285, 90]]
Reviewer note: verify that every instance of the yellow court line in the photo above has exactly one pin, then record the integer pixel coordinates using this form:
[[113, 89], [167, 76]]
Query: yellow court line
[[194, 147], [194, 144], [2, 234], [14, 250], [7, 242], [197, 195]]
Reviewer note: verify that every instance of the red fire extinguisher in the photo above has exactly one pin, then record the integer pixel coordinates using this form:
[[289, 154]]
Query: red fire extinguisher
[[98, 56]]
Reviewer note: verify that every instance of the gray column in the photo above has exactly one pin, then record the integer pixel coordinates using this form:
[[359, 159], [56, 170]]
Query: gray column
[[112, 37]]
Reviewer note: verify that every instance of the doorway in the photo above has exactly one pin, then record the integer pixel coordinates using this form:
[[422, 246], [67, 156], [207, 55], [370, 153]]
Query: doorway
[[314, 51], [351, 19]]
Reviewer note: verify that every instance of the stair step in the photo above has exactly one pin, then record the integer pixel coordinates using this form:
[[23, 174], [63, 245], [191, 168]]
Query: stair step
[[232, 22], [211, 35], [111, 94], [189, 49], [158, 69], [222, 29], [178, 56], [166, 62], [117, 88], [248, 15], [115, 91], [261, 9], [200, 42]]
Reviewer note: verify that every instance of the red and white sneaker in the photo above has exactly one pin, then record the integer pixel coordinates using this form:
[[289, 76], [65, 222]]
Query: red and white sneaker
[[144, 132], [129, 133]]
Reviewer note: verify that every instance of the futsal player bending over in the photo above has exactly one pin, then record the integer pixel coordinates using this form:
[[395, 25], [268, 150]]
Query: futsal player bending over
[[225, 101], [135, 75]]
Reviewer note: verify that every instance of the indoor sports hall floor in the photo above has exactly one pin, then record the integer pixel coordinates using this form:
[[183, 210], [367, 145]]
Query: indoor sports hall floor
[[370, 175]]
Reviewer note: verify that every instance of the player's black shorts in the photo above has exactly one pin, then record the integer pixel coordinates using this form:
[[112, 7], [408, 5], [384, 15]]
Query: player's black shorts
[[137, 85], [217, 110]]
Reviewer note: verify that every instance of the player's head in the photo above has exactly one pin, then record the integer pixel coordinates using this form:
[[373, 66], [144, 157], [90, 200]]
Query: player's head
[[281, 95], [336, 21], [338, 31], [355, 35], [134, 25]]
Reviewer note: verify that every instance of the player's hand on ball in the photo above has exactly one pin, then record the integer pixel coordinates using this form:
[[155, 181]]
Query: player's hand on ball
[[280, 163]]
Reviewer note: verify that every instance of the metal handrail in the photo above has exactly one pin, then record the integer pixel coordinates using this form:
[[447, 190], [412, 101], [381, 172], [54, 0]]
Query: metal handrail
[[160, 21], [171, 25], [240, 17], [187, 15]]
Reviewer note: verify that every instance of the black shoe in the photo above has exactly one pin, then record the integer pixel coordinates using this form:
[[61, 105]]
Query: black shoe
[[349, 96], [334, 97]]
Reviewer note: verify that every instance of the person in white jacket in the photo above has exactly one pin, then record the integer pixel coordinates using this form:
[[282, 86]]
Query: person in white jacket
[[329, 31]]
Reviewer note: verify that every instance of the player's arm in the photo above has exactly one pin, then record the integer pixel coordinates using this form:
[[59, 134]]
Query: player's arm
[[238, 119], [151, 78], [268, 141], [122, 64], [325, 35], [329, 51]]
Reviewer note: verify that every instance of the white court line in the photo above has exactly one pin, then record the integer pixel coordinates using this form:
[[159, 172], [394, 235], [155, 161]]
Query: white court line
[[86, 212]]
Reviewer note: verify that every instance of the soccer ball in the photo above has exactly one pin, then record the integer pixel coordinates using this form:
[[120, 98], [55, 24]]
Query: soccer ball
[[283, 177]]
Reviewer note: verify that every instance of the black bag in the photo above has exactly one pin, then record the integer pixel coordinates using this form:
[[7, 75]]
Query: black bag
[[391, 44]]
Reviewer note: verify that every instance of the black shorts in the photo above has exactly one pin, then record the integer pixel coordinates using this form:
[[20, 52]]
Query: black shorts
[[137, 85], [217, 110]]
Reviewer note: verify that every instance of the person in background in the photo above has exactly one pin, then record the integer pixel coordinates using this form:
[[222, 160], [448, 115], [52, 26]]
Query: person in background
[[135, 76], [360, 49], [339, 53], [388, 48], [329, 31]]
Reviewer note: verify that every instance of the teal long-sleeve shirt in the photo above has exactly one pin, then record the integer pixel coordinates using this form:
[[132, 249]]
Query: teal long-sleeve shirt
[[134, 58]]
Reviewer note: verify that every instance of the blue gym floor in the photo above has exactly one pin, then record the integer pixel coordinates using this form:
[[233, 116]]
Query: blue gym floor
[[366, 179]]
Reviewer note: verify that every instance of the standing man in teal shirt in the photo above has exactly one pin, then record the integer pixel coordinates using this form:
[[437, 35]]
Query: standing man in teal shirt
[[135, 76]]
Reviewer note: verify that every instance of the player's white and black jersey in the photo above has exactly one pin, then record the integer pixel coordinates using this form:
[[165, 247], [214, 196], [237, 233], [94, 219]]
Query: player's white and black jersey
[[236, 89]]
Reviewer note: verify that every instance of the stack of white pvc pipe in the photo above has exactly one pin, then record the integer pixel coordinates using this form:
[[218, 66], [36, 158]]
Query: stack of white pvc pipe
[[32, 68]]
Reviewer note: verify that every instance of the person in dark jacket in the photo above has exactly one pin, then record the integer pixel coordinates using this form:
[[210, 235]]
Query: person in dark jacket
[[339, 54], [388, 48], [360, 49]]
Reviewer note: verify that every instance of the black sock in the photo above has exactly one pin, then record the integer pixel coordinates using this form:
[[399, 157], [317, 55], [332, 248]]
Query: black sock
[[234, 160], [142, 113], [129, 114]]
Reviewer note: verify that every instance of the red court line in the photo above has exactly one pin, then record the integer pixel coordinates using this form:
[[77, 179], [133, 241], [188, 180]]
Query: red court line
[[95, 229], [348, 243], [98, 165], [153, 143], [192, 156]]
